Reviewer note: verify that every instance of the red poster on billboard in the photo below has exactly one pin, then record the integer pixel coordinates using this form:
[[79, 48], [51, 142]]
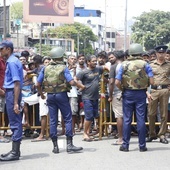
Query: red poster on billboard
[[49, 11]]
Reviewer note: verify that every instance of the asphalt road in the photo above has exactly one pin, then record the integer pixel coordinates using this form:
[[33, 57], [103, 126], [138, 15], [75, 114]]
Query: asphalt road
[[97, 155]]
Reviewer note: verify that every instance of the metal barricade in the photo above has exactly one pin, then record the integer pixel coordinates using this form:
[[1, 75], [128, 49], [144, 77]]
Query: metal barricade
[[104, 123], [33, 126]]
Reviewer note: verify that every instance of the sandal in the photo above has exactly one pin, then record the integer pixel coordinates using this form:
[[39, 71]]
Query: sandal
[[38, 140], [117, 143], [87, 139], [4, 140]]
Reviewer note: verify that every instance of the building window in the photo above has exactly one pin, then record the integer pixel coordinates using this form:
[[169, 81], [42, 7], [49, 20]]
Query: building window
[[113, 34], [113, 45], [98, 13], [100, 27], [68, 45], [110, 34], [107, 34]]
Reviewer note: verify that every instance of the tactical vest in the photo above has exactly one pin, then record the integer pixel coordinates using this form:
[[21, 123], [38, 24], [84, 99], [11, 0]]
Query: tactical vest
[[54, 80], [134, 74]]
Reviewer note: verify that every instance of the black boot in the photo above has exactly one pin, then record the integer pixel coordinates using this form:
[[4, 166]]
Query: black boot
[[55, 143], [12, 155], [6, 154], [71, 147]]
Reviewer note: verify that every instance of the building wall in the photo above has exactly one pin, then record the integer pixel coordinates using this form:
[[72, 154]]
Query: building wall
[[94, 20], [119, 45]]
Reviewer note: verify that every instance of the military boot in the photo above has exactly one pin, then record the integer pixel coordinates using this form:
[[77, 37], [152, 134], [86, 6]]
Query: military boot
[[6, 154], [55, 144], [12, 155], [71, 147]]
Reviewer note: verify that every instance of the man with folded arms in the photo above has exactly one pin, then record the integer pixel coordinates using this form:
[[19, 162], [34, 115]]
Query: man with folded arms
[[160, 94]]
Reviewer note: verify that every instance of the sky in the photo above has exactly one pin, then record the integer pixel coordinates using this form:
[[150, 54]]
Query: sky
[[115, 9]]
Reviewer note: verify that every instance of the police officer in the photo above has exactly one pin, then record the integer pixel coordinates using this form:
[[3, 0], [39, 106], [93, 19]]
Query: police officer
[[134, 77], [13, 85], [56, 80], [159, 94]]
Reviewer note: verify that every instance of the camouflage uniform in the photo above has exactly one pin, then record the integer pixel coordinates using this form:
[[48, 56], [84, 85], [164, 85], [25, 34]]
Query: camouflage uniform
[[54, 80], [134, 75], [161, 80], [55, 83]]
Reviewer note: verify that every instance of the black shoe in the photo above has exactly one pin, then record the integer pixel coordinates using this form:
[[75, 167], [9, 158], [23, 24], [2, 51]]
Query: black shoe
[[123, 149], [164, 140], [150, 139], [143, 149]]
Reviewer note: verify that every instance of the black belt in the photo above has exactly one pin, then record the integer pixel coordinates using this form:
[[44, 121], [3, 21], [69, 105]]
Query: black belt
[[9, 89], [159, 87]]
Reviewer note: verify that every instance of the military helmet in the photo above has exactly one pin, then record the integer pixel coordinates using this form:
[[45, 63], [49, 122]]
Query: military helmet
[[135, 49], [56, 52]]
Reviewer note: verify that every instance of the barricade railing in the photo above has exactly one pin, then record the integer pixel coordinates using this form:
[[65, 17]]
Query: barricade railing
[[104, 122], [32, 124]]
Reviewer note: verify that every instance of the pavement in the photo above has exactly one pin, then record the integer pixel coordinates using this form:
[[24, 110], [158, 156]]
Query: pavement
[[97, 155]]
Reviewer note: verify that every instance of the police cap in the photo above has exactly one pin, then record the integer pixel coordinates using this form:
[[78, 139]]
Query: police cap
[[161, 48]]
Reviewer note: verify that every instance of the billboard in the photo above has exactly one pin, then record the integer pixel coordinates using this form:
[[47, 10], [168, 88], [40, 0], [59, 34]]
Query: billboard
[[48, 11]]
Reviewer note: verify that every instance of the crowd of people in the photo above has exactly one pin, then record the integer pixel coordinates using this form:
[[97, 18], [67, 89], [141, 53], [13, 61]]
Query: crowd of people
[[136, 82]]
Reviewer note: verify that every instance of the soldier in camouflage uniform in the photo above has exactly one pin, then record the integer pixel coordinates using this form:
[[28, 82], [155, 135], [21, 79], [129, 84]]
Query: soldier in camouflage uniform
[[56, 80], [134, 77]]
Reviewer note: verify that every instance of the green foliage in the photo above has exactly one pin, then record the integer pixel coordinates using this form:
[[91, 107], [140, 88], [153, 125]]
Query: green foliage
[[151, 29], [16, 10], [45, 49], [75, 31]]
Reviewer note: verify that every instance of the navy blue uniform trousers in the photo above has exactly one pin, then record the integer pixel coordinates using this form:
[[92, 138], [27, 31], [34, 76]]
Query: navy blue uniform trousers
[[15, 120], [134, 100], [56, 101]]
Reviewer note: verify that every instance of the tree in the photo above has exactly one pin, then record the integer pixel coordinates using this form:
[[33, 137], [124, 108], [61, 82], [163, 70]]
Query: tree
[[45, 49], [16, 10], [152, 29], [76, 31]]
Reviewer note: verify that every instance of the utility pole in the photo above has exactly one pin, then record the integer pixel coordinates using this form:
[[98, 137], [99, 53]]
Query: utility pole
[[105, 27], [17, 26], [4, 30], [78, 44], [125, 27], [40, 39]]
